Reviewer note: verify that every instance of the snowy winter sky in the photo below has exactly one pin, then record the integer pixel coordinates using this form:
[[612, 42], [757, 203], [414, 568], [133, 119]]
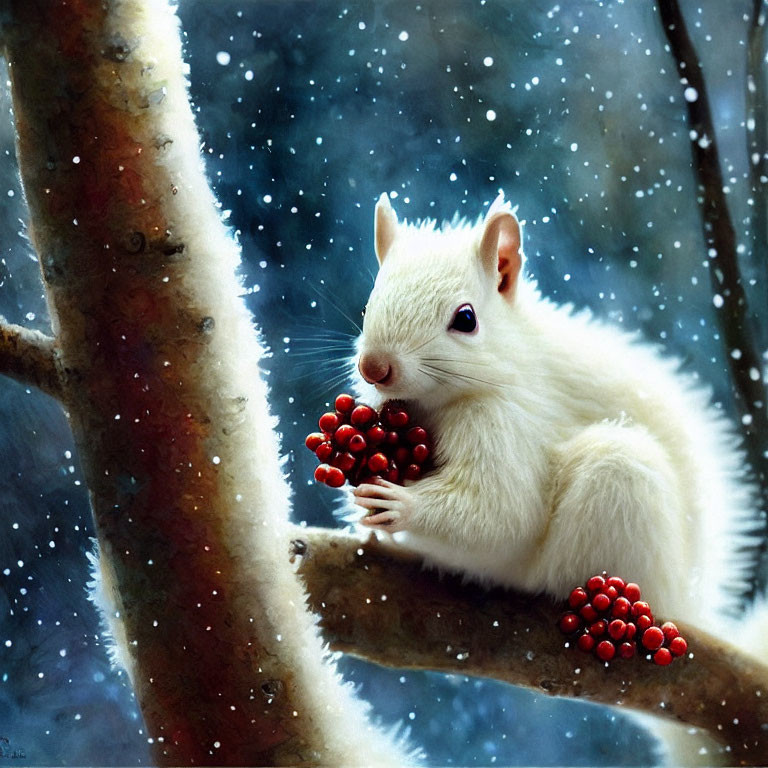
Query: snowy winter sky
[[308, 111]]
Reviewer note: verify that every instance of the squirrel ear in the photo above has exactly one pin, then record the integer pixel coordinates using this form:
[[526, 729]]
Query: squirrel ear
[[384, 227], [499, 204], [500, 248]]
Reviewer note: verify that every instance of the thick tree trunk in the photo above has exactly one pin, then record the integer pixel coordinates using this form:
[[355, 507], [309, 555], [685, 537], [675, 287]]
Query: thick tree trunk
[[158, 370]]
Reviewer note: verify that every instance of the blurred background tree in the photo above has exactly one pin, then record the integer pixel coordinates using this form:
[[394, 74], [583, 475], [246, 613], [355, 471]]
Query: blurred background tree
[[308, 112]]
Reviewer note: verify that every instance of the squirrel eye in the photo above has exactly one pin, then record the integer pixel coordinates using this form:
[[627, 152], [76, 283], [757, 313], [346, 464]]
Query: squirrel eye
[[464, 321]]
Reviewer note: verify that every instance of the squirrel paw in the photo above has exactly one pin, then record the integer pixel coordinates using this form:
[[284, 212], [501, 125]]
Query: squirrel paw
[[391, 505]]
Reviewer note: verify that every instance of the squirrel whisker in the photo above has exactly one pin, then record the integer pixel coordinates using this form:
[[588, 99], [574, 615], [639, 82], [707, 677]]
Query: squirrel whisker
[[435, 377], [423, 344], [465, 376], [453, 360], [326, 298], [335, 352]]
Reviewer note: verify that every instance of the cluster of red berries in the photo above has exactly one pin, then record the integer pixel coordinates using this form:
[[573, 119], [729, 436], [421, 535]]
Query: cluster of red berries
[[609, 619], [358, 444]]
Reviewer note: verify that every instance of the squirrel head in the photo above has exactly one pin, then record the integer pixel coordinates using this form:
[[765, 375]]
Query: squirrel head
[[441, 306]]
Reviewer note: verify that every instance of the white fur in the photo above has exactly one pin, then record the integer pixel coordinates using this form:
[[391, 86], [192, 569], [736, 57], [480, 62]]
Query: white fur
[[103, 593], [564, 446], [572, 448]]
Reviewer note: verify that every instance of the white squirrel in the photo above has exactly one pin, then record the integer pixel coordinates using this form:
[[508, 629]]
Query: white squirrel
[[563, 446]]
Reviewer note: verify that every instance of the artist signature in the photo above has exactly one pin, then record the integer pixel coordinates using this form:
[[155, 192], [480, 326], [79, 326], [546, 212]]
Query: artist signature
[[7, 751]]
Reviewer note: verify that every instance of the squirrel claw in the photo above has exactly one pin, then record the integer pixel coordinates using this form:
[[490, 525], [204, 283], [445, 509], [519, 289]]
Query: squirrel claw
[[384, 521], [390, 506]]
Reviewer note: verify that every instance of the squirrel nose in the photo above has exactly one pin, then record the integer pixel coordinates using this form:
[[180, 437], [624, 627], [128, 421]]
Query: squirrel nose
[[375, 370]]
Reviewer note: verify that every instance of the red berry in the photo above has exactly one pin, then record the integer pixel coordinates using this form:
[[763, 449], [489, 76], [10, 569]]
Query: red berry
[[357, 443], [313, 440], [378, 462], [416, 435], [596, 583], [376, 434], [412, 472], [577, 598], [627, 650], [393, 475], [617, 583], [643, 622], [670, 631], [420, 453], [631, 631], [344, 461], [397, 418], [392, 438], [617, 629], [345, 403], [612, 592], [343, 435], [621, 608], [324, 451], [569, 623], [605, 650], [329, 422], [632, 592], [362, 415], [662, 657], [653, 638], [402, 455], [334, 477], [641, 608], [588, 613], [320, 472], [598, 628], [586, 643], [601, 602], [678, 646]]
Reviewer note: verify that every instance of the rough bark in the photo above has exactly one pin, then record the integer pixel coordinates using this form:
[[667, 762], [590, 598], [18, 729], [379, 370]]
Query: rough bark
[[734, 318], [161, 384], [378, 602]]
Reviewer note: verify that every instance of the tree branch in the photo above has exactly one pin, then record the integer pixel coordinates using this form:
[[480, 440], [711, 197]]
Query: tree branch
[[376, 601], [757, 125], [28, 356], [735, 320]]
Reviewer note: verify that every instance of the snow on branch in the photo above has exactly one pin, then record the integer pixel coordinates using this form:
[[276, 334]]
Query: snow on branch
[[734, 317], [28, 356], [378, 602]]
